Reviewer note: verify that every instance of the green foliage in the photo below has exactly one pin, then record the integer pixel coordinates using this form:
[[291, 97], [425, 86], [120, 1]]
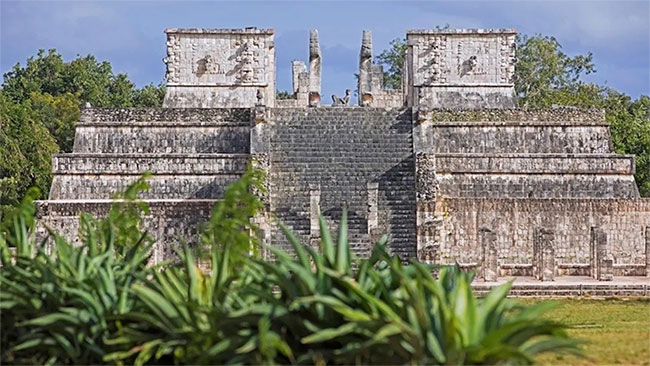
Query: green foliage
[[149, 96], [26, 149], [85, 77], [393, 61], [283, 94], [230, 227], [39, 107], [542, 70], [59, 115], [60, 301], [327, 306], [97, 302]]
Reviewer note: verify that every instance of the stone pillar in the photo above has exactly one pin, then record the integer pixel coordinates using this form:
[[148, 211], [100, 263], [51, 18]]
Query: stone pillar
[[489, 261], [543, 255], [647, 251], [373, 212], [314, 69], [365, 69], [262, 219], [602, 263], [298, 68], [314, 213]]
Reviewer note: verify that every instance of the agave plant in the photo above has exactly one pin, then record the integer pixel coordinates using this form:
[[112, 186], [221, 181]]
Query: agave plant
[[98, 302], [379, 311], [58, 306], [326, 306]]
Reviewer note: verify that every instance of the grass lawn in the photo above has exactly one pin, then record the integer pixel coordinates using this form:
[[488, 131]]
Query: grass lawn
[[616, 331]]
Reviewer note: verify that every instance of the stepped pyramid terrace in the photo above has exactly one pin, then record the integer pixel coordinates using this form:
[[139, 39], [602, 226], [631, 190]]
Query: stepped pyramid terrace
[[449, 166]]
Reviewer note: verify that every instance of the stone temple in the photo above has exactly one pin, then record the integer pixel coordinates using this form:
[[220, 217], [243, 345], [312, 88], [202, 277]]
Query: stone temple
[[448, 166]]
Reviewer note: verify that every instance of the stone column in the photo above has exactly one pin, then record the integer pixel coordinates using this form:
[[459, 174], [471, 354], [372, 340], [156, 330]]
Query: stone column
[[543, 255], [297, 68], [489, 260], [262, 218], [373, 212], [647, 251], [602, 262], [365, 70], [314, 69], [314, 213]]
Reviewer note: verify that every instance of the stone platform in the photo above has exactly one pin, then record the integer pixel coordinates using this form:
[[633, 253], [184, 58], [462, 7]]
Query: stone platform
[[569, 286]]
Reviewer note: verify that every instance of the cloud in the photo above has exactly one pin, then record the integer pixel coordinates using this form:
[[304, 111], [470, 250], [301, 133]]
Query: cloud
[[129, 34]]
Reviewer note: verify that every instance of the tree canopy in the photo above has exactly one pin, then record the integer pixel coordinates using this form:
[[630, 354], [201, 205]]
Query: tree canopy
[[39, 106], [546, 77]]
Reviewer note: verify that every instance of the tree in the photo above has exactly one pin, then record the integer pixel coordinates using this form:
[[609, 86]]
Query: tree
[[283, 94], [40, 105], [149, 96], [26, 149], [85, 77], [393, 60], [58, 114], [543, 70]]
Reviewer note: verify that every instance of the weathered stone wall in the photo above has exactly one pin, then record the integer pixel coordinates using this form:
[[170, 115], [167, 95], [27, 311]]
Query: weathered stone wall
[[169, 222], [326, 158], [172, 186], [153, 137], [460, 68], [163, 131], [528, 175], [219, 68], [564, 131], [193, 155], [199, 164], [455, 224], [533, 163]]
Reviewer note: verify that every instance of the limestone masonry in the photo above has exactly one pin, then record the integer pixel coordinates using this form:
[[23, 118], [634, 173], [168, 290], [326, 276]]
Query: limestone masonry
[[447, 166]]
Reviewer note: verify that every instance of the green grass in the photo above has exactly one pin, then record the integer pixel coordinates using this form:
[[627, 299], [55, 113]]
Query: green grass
[[615, 331]]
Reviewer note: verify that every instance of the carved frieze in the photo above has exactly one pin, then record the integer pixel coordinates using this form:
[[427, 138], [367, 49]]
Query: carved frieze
[[464, 59], [234, 59]]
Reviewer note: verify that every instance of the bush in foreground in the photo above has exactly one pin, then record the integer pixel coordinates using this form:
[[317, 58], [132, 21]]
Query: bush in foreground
[[99, 303]]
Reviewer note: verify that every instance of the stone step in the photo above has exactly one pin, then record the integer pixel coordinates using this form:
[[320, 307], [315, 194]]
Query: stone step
[[177, 116], [527, 163], [137, 164], [512, 137], [162, 186], [153, 137], [481, 185], [169, 222], [340, 151]]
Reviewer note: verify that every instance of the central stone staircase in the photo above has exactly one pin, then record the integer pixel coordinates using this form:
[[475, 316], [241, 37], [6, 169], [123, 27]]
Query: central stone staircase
[[341, 156]]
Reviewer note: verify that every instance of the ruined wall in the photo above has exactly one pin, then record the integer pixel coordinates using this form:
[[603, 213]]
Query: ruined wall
[[460, 68], [370, 84], [455, 223], [169, 222], [219, 68], [326, 158], [511, 131], [529, 175], [193, 155]]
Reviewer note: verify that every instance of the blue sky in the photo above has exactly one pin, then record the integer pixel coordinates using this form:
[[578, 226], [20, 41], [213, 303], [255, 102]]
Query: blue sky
[[130, 34]]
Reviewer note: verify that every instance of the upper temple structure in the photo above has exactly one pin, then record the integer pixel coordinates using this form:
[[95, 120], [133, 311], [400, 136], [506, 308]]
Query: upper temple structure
[[447, 166]]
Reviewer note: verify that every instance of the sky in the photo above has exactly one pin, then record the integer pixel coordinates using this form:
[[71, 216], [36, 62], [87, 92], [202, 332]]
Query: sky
[[129, 34]]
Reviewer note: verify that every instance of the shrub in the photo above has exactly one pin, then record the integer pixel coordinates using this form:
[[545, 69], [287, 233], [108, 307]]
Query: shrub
[[58, 301], [99, 302], [326, 306]]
